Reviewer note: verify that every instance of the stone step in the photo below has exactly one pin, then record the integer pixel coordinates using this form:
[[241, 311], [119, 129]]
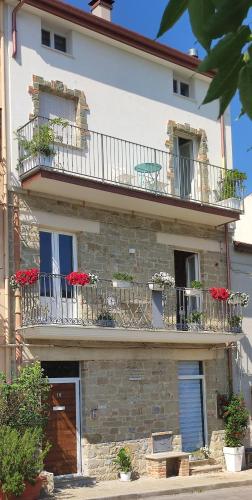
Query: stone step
[[205, 469], [203, 461]]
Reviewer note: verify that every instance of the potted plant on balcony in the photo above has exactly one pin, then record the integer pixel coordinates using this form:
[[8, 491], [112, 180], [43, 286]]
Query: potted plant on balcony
[[235, 324], [40, 149], [123, 462], [160, 281], [236, 423], [122, 280], [231, 188], [105, 319], [239, 298], [194, 321], [195, 290]]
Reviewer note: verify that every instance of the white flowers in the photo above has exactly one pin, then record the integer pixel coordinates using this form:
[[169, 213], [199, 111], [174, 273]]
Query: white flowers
[[241, 298], [163, 279], [93, 278]]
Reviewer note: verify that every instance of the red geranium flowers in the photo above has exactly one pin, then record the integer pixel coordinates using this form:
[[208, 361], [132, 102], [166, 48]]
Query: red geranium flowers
[[24, 277], [220, 294], [76, 278]]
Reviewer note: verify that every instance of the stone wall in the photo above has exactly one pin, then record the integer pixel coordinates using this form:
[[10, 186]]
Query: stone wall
[[126, 401], [99, 253]]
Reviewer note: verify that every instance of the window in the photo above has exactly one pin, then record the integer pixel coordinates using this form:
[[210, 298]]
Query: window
[[54, 40], [181, 88]]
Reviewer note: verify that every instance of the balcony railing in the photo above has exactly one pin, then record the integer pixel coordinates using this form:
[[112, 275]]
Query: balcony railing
[[51, 300], [110, 160]]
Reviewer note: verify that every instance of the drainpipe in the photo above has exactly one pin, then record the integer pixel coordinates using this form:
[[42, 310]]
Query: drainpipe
[[224, 165], [14, 27]]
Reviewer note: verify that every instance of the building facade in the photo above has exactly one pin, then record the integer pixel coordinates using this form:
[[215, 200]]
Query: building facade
[[113, 167]]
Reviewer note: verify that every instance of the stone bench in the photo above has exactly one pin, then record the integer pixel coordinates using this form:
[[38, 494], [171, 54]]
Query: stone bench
[[167, 464]]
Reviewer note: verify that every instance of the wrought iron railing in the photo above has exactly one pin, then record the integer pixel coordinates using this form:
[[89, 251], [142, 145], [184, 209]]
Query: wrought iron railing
[[51, 300], [120, 162]]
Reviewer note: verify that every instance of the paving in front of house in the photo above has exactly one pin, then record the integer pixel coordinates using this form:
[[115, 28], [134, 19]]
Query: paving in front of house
[[87, 489]]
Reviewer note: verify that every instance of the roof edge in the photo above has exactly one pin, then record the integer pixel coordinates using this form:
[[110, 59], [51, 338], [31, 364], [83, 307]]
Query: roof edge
[[118, 33]]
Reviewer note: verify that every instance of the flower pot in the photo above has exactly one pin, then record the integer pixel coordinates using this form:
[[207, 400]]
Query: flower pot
[[122, 284], [156, 287], [37, 161], [233, 458], [125, 476], [193, 292], [31, 492]]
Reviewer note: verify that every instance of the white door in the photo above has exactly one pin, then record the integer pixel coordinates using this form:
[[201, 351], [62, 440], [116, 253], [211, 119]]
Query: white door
[[192, 269], [57, 259], [191, 388], [184, 167]]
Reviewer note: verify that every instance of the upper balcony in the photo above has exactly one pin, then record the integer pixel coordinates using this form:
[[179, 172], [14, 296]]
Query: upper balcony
[[52, 156], [53, 309]]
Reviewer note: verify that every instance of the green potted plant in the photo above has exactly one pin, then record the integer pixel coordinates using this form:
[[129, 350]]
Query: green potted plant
[[236, 422], [21, 463], [123, 463], [40, 149], [122, 280], [235, 324], [105, 319], [195, 290], [231, 188], [194, 320]]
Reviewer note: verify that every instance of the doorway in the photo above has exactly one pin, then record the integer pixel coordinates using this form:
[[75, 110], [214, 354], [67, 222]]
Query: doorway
[[184, 167], [187, 269], [192, 405], [63, 428]]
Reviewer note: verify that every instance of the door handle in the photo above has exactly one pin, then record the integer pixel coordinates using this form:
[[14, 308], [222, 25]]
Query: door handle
[[59, 408]]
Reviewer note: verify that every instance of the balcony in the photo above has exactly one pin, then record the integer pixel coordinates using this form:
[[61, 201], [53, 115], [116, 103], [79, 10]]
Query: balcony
[[51, 308], [158, 182]]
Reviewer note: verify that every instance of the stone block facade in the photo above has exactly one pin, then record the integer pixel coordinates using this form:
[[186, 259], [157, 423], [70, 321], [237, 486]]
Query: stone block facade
[[126, 401]]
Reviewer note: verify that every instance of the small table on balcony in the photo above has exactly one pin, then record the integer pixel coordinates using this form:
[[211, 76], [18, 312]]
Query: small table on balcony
[[149, 175]]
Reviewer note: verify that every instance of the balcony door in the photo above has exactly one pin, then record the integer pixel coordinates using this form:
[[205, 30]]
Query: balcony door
[[184, 167], [57, 259]]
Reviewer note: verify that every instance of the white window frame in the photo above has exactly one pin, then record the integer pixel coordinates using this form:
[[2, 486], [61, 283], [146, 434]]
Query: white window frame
[[77, 382], [181, 79], [55, 31], [200, 377]]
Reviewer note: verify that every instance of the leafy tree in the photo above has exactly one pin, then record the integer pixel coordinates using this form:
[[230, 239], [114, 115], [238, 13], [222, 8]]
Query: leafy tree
[[220, 27], [23, 403]]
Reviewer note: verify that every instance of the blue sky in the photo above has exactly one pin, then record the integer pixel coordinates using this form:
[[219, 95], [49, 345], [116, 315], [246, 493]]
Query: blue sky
[[143, 16]]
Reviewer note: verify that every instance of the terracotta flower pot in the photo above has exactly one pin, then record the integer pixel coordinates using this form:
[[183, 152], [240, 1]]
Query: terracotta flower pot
[[31, 492]]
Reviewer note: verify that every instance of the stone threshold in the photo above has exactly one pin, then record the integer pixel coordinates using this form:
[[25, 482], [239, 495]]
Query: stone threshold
[[146, 487]]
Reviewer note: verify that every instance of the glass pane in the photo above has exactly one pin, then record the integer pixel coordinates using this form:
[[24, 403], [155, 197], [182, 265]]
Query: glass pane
[[175, 86], [46, 38], [65, 262], [46, 284], [60, 43], [184, 89]]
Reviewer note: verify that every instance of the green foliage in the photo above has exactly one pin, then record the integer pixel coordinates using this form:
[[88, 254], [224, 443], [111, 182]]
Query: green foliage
[[122, 277], [235, 321], [195, 317], [232, 184], [123, 460], [196, 284], [236, 421], [21, 458], [43, 139], [23, 403], [231, 56]]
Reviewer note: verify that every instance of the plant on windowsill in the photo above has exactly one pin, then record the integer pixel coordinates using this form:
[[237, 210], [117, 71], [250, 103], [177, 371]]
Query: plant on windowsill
[[160, 281], [195, 290], [122, 280], [231, 188], [235, 324], [105, 319], [194, 321], [123, 463], [40, 149], [236, 422]]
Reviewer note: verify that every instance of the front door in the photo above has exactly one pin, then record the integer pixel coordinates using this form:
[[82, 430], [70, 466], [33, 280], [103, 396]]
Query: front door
[[63, 428], [191, 405]]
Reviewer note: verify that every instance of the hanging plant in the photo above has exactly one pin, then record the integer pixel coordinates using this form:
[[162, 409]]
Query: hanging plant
[[220, 294], [240, 298], [24, 277], [76, 278]]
